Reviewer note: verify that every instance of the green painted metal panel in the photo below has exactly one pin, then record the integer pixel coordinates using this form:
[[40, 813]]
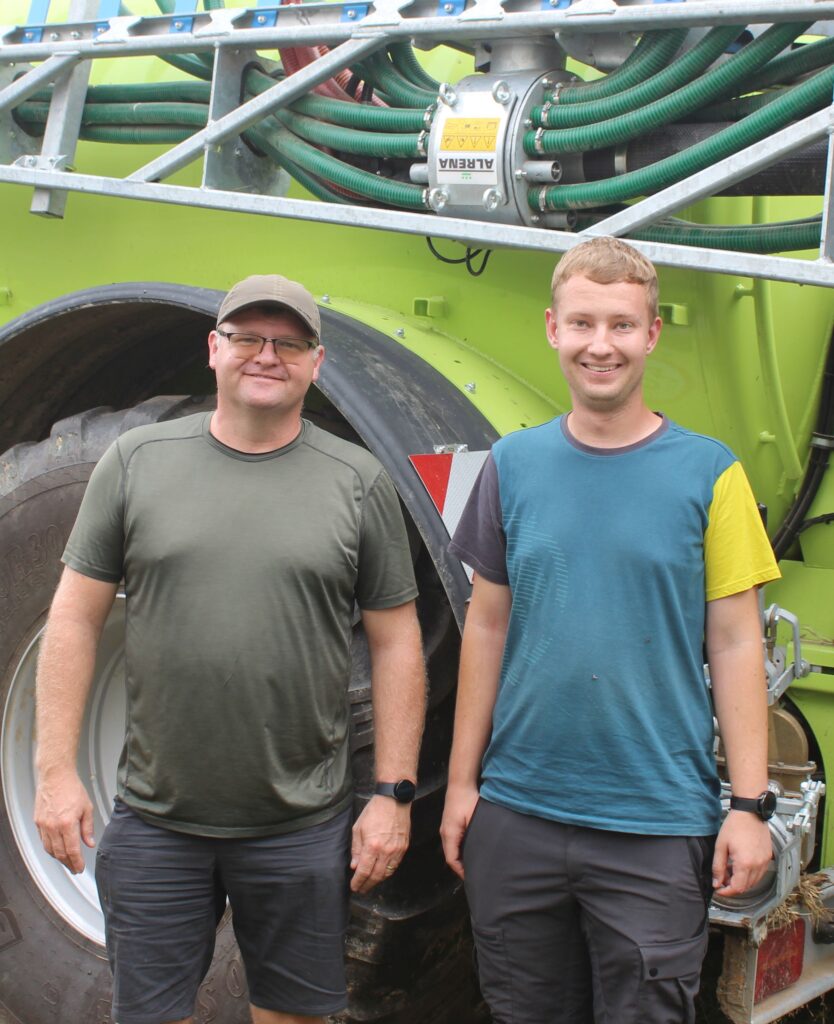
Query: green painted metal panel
[[739, 361]]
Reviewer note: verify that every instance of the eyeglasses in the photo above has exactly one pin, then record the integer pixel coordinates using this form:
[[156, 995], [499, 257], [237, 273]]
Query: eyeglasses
[[248, 345]]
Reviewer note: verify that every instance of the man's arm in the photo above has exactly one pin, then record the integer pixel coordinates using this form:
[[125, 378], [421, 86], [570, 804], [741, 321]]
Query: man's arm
[[736, 665], [482, 649], [65, 672], [398, 685]]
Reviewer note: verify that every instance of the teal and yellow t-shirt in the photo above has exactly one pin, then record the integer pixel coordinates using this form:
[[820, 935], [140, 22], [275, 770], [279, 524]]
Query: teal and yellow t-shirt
[[603, 717]]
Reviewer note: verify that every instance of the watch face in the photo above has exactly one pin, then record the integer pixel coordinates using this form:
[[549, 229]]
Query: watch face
[[767, 804], [404, 791]]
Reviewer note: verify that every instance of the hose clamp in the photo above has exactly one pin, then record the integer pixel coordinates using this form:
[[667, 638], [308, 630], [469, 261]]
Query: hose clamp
[[825, 441], [428, 114], [542, 200], [422, 139], [424, 198], [537, 141], [546, 107], [554, 92]]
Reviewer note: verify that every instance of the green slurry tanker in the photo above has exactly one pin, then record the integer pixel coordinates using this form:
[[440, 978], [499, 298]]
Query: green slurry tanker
[[419, 165]]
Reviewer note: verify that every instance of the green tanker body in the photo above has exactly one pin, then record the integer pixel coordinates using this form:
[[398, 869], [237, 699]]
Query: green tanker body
[[419, 166]]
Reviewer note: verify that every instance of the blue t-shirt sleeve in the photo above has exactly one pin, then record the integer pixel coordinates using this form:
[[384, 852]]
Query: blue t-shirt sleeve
[[479, 539]]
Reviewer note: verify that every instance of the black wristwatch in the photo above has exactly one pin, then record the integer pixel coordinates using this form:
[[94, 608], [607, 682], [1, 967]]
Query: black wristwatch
[[403, 791], [763, 805]]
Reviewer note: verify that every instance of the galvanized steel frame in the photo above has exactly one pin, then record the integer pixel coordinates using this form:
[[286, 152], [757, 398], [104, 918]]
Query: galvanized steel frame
[[356, 30]]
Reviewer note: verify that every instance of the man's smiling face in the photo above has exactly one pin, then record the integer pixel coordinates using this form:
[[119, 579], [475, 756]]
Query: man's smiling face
[[602, 334], [263, 380]]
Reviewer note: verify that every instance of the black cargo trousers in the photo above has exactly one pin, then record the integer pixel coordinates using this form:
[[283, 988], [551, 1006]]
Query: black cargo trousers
[[575, 925]]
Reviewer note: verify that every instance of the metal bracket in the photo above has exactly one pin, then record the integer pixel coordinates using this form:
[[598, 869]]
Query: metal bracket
[[779, 674]]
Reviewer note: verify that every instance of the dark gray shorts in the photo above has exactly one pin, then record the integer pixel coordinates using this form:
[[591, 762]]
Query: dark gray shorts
[[582, 926], [163, 893]]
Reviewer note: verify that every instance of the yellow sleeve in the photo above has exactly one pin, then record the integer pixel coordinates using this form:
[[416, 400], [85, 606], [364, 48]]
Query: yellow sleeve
[[737, 552]]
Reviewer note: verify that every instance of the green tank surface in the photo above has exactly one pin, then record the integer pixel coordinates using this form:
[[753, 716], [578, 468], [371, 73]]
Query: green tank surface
[[420, 167]]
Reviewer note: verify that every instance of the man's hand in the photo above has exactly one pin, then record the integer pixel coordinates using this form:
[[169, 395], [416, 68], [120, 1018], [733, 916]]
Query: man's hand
[[457, 813], [380, 839], [64, 817], [743, 851]]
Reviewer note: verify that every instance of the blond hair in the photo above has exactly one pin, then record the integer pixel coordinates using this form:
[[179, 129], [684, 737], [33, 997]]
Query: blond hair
[[607, 260]]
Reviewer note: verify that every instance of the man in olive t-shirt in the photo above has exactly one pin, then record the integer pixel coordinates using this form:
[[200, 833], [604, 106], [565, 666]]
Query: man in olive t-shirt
[[244, 538]]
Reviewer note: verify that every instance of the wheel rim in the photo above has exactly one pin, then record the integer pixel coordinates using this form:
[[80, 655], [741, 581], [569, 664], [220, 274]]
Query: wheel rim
[[73, 897]]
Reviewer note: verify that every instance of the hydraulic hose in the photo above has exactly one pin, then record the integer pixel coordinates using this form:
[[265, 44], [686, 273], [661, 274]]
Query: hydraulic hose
[[702, 91], [654, 51], [672, 77], [798, 102]]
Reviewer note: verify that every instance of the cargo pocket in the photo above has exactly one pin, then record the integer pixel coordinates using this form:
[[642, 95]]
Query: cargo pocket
[[671, 976], [494, 972]]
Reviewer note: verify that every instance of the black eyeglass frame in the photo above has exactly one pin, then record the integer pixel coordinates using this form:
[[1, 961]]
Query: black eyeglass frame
[[311, 344]]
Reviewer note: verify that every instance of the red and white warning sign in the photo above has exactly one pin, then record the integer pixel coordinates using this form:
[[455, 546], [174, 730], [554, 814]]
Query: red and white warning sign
[[449, 479]]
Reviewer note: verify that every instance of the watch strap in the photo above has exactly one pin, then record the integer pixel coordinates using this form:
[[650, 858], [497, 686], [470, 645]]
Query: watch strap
[[762, 806], [403, 791]]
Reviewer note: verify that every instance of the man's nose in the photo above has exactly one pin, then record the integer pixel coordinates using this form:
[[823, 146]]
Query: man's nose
[[269, 352], [600, 340]]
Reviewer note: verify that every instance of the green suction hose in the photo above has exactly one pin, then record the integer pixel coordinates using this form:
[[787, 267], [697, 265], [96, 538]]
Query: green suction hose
[[653, 52], [382, 190], [672, 77], [703, 90], [798, 102], [348, 140]]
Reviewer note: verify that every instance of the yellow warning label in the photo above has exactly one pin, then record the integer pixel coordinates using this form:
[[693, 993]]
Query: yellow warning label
[[470, 135]]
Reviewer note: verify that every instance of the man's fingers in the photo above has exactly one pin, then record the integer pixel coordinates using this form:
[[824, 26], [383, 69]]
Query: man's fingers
[[719, 866], [451, 851], [87, 833], [366, 875]]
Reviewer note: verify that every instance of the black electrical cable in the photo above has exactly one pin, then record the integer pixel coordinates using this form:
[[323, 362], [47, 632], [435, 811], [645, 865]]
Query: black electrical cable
[[471, 254], [468, 260], [441, 257], [817, 464], [828, 517]]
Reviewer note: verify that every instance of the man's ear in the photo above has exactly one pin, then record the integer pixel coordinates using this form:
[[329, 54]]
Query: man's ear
[[319, 359], [654, 334], [213, 342], [550, 328]]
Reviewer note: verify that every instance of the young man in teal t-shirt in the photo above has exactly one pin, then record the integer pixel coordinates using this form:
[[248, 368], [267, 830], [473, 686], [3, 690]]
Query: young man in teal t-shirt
[[609, 546]]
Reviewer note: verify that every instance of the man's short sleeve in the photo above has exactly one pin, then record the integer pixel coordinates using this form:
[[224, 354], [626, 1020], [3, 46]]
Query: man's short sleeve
[[737, 552], [386, 572], [96, 545], [479, 539]]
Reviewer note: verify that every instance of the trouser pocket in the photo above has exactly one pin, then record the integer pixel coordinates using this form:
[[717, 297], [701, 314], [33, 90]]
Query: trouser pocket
[[671, 973]]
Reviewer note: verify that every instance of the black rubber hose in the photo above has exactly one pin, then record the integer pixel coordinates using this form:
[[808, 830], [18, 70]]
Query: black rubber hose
[[818, 462]]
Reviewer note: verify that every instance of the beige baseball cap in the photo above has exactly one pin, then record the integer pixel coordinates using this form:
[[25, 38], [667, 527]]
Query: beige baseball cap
[[272, 290]]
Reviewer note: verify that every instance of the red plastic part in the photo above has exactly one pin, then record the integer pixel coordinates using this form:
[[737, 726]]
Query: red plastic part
[[780, 959]]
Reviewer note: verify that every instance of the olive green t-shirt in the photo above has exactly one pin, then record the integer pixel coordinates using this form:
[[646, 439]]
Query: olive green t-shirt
[[241, 574]]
